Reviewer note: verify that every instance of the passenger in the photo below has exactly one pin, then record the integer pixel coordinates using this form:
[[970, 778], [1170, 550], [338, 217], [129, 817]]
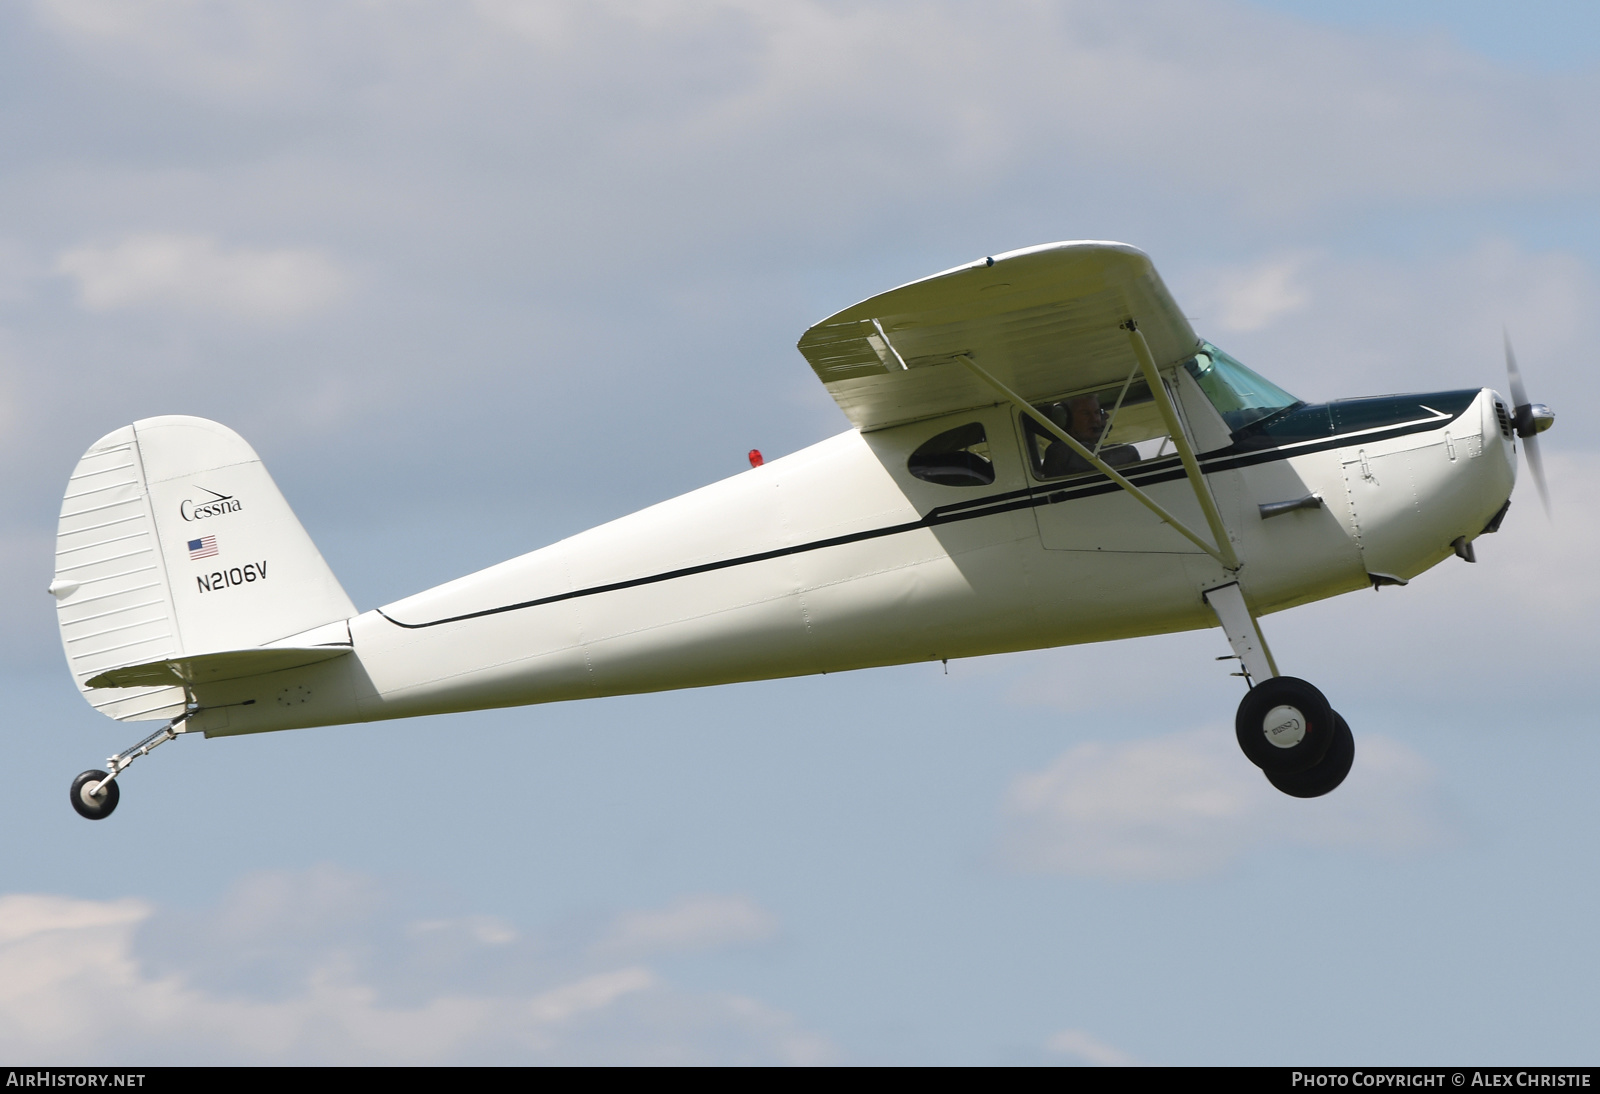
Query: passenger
[[1083, 419]]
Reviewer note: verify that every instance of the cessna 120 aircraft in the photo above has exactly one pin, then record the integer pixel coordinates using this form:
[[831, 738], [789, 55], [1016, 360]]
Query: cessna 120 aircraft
[[1043, 453]]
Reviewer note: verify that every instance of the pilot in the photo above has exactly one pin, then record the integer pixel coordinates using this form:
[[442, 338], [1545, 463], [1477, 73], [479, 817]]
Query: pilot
[[1084, 420]]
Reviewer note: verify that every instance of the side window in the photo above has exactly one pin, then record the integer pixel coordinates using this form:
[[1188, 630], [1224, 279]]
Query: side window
[[956, 457], [1121, 424]]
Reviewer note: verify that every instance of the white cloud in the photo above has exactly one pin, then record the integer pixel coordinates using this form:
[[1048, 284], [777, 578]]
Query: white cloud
[[861, 99], [1374, 324], [1249, 298], [1188, 804], [487, 930], [692, 923], [26, 916], [84, 981], [196, 273], [1090, 1049], [239, 50]]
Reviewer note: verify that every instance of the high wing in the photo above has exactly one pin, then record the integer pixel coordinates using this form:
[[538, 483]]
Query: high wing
[[1044, 320]]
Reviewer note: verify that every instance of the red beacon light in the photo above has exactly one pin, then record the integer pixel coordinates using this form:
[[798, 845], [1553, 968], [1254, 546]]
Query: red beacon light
[[755, 458]]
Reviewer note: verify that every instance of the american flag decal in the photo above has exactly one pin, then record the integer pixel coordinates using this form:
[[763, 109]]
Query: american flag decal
[[204, 547]]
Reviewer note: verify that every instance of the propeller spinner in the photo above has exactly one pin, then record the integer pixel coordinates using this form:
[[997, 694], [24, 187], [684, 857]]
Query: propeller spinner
[[1530, 420]]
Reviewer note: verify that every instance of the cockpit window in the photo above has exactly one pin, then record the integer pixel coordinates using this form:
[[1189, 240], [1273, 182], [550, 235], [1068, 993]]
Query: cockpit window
[[1240, 396], [1120, 424], [956, 457]]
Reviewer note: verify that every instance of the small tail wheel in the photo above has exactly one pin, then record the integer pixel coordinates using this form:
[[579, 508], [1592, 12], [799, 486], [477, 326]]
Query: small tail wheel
[[1317, 781], [95, 807], [1284, 725]]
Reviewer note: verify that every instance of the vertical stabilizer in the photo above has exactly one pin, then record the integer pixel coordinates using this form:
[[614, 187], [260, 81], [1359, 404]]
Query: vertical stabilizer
[[174, 541]]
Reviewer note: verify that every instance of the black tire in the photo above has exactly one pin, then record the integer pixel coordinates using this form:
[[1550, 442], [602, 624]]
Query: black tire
[[1284, 709], [94, 808], [1328, 774]]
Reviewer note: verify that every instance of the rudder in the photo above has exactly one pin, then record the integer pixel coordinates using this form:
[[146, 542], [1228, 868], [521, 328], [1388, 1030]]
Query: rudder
[[173, 542]]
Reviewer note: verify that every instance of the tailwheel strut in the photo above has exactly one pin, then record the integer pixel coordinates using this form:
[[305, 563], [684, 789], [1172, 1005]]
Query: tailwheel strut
[[95, 793]]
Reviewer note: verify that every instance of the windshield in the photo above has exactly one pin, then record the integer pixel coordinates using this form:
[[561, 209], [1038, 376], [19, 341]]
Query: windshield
[[1240, 396]]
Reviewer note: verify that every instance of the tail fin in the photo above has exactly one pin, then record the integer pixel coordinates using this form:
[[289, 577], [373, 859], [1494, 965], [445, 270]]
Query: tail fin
[[175, 542]]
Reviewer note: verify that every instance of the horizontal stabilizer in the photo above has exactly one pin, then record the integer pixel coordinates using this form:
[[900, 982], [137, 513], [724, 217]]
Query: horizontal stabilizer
[[207, 668]]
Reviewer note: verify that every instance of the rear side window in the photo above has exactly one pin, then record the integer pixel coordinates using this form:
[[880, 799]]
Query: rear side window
[[956, 457]]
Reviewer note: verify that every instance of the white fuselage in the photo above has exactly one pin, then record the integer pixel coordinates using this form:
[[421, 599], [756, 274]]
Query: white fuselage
[[836, 557]]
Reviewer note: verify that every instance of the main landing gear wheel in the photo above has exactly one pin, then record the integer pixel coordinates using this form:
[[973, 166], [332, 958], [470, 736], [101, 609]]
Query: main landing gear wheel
[[1284, 725], [95, 807], [1317, 781]]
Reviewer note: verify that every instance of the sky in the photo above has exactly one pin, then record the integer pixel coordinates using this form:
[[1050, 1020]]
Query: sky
[[472, 277]]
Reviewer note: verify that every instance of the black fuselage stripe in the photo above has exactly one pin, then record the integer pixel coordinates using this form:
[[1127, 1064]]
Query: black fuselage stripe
[[687, 571], [992, 505]]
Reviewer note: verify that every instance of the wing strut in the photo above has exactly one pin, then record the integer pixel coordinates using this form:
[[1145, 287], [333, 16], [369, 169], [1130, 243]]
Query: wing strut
[[1227, 559], [1191, 467]]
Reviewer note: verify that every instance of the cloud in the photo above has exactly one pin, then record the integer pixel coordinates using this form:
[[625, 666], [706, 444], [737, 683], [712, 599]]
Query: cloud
[[1251, 297], [27, 916], [486, 930], [874, 105], [692, 923], [1187, 805], [1369, 324], [197, 274], [530, 164], [1075, 1042], [306, 967]]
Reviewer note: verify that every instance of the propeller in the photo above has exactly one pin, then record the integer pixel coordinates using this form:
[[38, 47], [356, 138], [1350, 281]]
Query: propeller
[[1530, 420]]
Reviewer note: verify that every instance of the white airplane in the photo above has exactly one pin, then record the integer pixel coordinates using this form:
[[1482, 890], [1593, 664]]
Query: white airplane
[[1043, 453]]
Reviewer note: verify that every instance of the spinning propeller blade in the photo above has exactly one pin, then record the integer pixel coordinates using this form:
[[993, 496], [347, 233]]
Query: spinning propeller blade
[[1530, 420]]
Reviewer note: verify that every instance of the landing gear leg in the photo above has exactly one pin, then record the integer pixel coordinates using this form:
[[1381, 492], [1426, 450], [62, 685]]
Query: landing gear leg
[[1284, 725], [95, 793], [1239, 622]]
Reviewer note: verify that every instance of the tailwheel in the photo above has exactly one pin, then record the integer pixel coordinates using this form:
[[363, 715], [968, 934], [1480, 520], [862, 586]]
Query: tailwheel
[[1284, 725], [1328, 773], [95, 793], [93, 796]]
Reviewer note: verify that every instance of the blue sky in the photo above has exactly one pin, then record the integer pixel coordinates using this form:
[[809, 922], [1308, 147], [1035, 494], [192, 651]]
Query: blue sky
[[475, 277]]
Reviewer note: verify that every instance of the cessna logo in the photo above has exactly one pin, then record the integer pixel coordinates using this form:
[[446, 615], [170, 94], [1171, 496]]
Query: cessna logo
[[214, 506], [239, 575], [1284, 728]]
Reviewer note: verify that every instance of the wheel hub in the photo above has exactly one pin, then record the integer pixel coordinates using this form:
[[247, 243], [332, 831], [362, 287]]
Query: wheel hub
[[1284, 726]]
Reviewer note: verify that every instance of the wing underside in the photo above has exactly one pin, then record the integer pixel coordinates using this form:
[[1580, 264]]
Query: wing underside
[[1047, 321]]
